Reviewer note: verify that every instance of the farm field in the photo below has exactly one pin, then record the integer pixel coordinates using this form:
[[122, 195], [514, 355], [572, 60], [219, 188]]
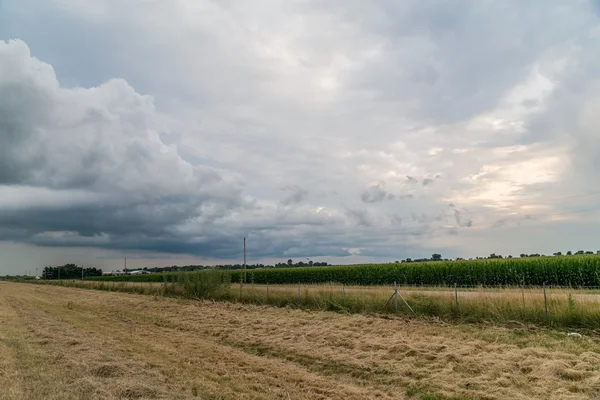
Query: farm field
[[579, 270], [68, 343], [565, 271]]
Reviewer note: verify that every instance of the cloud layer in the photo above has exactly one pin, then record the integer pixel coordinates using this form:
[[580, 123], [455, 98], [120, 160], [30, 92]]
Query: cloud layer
[[343, 129], [87, 165]]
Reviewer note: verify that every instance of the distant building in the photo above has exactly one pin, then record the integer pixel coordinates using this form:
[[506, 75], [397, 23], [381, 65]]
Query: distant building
[[129, 272], [117, 272]]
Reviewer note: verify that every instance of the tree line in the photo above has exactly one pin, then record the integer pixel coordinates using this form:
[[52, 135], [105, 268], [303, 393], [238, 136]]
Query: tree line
[[289, 264], [72, 271], [438, 257], [69, 271]]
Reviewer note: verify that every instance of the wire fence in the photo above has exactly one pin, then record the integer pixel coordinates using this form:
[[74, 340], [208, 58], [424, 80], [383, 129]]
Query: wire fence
[[552, 306]]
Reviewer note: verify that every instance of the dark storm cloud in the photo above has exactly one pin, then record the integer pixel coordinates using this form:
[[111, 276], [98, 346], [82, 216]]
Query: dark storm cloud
[[360, 217], [396, 219], [374, 194], [460, 217], [295, 195], [101, 142], [429, 181]]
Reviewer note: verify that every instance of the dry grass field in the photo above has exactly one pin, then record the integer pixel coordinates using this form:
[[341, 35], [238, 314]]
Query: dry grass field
[[67, 343], [558, 307]]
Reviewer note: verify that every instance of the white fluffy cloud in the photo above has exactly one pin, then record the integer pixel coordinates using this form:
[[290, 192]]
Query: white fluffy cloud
[[394, 129]]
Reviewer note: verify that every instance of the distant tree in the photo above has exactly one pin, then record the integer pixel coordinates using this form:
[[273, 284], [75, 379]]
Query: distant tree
[[580, 252], [558, 253], [290, 262], [69, 271], [436, 257], [569, 253]]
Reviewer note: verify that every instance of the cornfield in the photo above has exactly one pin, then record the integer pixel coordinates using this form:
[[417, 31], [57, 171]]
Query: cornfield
[[569, 271], [565, 271]]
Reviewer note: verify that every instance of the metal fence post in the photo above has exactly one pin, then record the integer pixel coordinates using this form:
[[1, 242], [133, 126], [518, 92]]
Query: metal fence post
[[456, 297], [546, 305]]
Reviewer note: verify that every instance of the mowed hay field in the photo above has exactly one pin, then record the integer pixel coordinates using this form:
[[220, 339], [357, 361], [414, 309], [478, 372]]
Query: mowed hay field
[[68, 343]]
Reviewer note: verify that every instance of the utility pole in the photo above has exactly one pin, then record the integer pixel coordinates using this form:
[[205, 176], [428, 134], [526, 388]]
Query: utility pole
[[244, 259], [125, 270], [82, 272], [58, 271]]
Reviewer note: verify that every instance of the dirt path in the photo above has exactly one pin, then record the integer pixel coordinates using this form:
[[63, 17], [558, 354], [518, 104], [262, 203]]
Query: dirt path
[[65, 343]]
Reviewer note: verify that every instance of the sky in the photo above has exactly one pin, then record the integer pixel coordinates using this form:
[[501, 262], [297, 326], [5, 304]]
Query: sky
[[345, 131]]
